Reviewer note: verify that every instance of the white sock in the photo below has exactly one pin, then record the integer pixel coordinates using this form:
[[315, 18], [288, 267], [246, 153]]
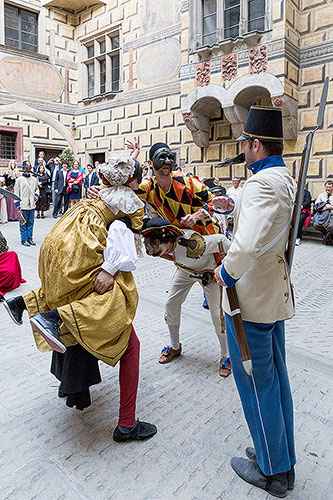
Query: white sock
[[223, 345], [174, 336]]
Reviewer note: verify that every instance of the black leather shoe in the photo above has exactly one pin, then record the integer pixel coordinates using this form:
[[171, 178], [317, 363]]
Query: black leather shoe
[[140, 430], [32, 243], [250, 472], [15, 308], [48, 326], [251, 454], [61, 394], [25, 243]]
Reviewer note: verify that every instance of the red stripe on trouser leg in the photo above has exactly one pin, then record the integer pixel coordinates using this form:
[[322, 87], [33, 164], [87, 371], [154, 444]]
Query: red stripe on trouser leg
[[128, 381]]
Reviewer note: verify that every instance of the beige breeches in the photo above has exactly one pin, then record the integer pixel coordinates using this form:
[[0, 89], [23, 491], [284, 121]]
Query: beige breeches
[[181, 284]]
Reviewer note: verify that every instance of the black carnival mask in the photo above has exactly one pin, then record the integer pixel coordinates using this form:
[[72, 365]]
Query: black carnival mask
[[164, 157]]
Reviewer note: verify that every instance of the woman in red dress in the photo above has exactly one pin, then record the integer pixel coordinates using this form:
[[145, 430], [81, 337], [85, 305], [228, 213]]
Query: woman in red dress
[[10, 269]]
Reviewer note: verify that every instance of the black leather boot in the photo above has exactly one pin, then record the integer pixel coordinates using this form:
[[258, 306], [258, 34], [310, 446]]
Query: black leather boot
[[251, 454], [250, 472], [15, 308], [47, 324]]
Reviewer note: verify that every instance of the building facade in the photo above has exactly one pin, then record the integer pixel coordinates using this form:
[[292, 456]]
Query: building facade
[[88, 74]]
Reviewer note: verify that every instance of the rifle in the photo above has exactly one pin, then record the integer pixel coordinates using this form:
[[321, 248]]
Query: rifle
[[302, 177], [238, 324]]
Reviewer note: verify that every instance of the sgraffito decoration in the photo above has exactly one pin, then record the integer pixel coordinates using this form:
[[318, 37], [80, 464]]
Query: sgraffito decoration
[[258, 59], [229, 66], [202, 74]]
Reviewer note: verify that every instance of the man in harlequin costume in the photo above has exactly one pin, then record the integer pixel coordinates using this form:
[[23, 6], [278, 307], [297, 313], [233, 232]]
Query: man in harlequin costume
[[256, 266], [193, 256], [88, 298], [177, 198]]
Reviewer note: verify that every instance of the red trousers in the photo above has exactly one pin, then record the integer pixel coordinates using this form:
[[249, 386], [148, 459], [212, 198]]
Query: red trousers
[[128, 381]]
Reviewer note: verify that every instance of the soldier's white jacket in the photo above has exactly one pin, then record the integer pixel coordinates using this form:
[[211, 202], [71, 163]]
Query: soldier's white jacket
[[262, 212]]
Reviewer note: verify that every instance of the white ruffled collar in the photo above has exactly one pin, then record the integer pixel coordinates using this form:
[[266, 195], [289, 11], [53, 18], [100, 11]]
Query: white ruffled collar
[[120, 199]]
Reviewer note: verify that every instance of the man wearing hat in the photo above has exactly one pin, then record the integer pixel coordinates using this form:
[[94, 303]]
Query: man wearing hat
[[176, 197], [256, 266], [26, 188], [193, 256]]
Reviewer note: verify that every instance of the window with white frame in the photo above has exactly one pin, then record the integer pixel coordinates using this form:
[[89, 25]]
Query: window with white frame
[[101, 64], [21, 28], [225, 19], [208, 22]]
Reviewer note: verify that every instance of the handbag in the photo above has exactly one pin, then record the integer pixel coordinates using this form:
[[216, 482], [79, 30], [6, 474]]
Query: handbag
[[75, 188], [322, 217]]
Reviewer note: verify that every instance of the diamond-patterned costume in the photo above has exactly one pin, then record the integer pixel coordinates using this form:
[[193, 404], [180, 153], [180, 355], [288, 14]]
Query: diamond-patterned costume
[[185, 196]]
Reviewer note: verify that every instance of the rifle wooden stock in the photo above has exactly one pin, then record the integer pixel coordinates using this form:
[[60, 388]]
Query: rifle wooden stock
[[22, 219], [238, 323], [239, 329]]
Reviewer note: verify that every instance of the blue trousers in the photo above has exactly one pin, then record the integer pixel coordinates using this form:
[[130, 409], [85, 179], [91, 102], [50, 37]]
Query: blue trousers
[[266, 396], [27, 228]]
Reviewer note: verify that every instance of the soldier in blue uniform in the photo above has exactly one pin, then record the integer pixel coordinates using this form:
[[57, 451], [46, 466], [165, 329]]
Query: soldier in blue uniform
[[256, 265]]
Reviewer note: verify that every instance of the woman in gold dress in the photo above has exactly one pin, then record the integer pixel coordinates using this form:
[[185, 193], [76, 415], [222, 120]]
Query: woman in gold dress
[[80, 301]]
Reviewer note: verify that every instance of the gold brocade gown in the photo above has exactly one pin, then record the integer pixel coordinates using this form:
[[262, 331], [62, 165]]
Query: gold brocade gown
[[70, 259]]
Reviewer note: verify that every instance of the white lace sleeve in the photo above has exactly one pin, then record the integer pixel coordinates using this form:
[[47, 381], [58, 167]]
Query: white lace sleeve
[[120, 253]]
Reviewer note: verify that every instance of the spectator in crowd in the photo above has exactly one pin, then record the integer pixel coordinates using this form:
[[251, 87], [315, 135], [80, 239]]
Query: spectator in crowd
[[26, 188], [60, 189], [41, 155], [305, 216], [10, 177], [41, 163], [145, 172], [44, 185], [96, 164], [54, 169], [324, 207], [74, 181], [91, 179], [233, 191], [3, 204]]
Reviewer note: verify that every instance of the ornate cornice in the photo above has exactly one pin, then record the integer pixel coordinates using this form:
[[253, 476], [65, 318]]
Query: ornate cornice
[[153, 37], [308, 56], [125, 98], [316, 54], [51, 107]]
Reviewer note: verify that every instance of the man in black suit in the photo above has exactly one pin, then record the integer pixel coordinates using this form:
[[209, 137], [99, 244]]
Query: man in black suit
[[60, 189], [54, 166], [91, 179]]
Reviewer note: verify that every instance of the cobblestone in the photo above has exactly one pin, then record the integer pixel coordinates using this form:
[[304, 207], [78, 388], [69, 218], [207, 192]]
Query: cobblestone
[[51, 451]]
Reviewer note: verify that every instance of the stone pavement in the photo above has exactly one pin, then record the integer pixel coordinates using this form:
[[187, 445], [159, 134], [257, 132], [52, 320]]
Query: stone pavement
[[49, 451]]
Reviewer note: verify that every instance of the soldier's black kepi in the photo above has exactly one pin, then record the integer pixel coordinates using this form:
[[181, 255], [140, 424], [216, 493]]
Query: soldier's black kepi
[[263, 123]]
